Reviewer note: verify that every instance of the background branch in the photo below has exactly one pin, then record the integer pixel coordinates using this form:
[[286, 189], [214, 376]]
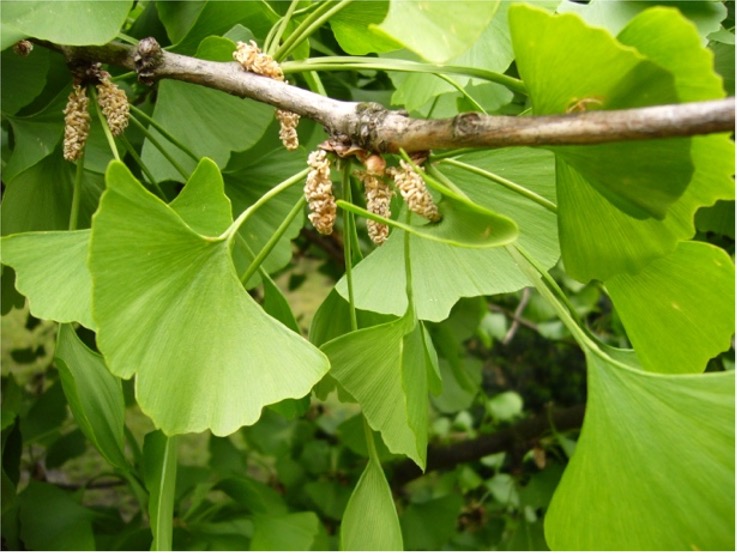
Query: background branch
[[375, 128], [523, 434]]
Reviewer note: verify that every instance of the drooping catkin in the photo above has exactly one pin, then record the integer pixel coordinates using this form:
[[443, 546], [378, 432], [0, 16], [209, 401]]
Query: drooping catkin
[[378, 195], [114, 104], [254, 60], [319, 194], [414, 191], [76, 123]]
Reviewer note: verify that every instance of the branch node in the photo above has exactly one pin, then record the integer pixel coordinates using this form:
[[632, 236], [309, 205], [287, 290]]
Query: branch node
[[147, 59]]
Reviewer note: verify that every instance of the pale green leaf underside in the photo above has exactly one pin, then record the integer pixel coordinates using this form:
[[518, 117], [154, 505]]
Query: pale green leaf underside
[[171, 310], [95, 396], [440, 30], [51, 271], [654, 465], [370, 521], [384, 369], [290, 532], [679, 310]]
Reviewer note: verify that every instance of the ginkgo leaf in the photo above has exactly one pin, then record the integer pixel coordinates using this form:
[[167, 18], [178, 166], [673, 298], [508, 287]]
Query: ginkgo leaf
[[51, 271], [441, 30], [678, 311], [654, 464], [385, 369], [598, 239], [379, 280], [94, 395], [370, 521], [641, 178], [170, 309]]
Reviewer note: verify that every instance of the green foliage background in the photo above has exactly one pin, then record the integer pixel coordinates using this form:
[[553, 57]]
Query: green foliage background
[[220, 377]]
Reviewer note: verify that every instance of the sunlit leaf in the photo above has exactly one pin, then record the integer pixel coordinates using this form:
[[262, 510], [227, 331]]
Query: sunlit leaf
[[679, 310], [51, 271], [73, 22], [654, 464], [385, 368], [370, 521], [170, 308], [441, 30], [94, 395]]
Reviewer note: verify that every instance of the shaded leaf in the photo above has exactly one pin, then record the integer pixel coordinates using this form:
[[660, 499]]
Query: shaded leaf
[[351, 27], [295, 531], [160, 472], [205, 354], [609, 499], [94, 395], [678, 311], [641, 178], [254, 496], [23, 78], [67, 527], [370, 521]]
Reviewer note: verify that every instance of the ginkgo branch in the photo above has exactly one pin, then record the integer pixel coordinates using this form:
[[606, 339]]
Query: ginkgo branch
[[376, 128]]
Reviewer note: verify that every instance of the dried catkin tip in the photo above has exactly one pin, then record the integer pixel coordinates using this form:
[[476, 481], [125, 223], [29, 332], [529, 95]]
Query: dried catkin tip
[[23, 48], [114, 104], [414, 191], [318, 193], [76, 123], [378, 195], [254, 60], [288, 132]]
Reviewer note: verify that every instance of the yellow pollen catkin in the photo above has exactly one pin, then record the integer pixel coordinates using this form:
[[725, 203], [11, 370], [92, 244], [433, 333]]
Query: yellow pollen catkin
[[76, 123], [319, 194], [414, 192]]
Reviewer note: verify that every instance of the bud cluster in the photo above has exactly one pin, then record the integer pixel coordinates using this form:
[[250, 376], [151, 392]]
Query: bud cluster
[[318, 193], [254, 60]]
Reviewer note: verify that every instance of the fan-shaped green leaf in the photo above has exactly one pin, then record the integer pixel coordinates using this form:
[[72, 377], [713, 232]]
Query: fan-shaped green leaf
[[170, 308], [370, 521], [632, 483], [441, 30], [289, 532], [209, 122], [51, 271], [95, 396], [74, 22], [352, 31], [385, 368], [24, 78], [642, 178], [598, 239], [679, 310], [437, 281]]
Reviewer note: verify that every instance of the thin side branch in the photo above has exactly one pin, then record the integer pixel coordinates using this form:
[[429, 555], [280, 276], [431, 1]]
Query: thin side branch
[[375, 128]]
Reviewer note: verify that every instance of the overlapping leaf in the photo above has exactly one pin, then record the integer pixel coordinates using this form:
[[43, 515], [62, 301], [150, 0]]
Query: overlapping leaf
[[437, 280], [679, 310], [385, 368], [95, 396], [370, 521], [74, 22], [654, 465], [170, 308], [51, 271], [441, 30]]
